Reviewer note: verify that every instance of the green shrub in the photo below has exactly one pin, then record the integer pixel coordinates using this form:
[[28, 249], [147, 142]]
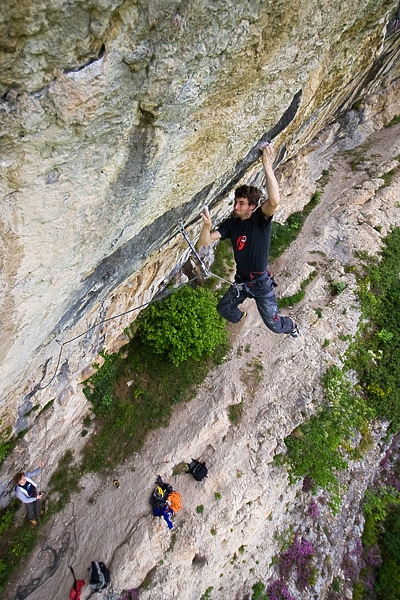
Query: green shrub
[[99, 389], [337, 287], [184, 325], [6, 445], [16, 542], [64, 481], [156, 386], [291, 300], [388, 573], [259, 591], [322, 446], [235, 412], [394, 121], [317, 449], [375, 354], [207, 593]]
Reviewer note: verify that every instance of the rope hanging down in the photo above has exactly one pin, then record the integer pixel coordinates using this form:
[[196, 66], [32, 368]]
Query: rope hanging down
[[126, 312], [207, 273], [55, 555]]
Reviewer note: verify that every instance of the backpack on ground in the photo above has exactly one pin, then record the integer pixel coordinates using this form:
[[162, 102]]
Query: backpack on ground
[[198, 469], [99, 576], [160, 493], [174, 501]]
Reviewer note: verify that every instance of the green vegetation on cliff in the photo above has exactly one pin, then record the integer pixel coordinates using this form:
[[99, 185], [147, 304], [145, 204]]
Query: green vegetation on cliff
[[322, 446]]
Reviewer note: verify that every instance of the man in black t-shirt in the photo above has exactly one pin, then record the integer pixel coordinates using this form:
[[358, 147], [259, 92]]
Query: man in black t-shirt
[[249, 230]]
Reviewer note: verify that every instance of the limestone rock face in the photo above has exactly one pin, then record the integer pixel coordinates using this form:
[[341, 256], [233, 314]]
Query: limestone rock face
[[119, 119]]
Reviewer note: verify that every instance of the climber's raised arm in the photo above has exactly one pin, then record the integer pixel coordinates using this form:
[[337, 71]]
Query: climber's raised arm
[[270, 205]]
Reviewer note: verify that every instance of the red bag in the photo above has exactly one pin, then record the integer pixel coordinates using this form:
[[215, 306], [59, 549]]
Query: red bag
[[75, 593]]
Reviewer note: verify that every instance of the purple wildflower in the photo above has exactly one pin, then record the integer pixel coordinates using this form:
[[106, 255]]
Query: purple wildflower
[[132, 594], [313, 509], [369, 582], [308, 484], [277, 590], [298, 555], [353, 561], [373, 556]]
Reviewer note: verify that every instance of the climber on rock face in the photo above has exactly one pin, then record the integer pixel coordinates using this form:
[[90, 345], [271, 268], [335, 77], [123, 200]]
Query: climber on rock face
[[249, 230]]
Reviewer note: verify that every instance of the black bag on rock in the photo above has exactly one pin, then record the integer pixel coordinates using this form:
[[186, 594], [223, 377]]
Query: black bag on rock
[[198, 469], [99, 576]]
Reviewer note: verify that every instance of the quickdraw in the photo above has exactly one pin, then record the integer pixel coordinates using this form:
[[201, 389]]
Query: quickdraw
[[207, 271]]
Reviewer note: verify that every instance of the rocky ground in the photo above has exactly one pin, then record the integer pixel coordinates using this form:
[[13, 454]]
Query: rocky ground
[[231, 544]]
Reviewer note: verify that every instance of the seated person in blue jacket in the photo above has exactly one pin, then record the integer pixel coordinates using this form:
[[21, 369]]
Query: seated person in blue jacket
[[26, 490]]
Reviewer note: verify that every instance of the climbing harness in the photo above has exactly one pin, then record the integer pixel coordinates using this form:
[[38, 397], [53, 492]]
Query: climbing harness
[[239, 286]]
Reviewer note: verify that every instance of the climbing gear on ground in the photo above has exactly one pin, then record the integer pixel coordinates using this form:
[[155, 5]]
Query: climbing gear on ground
[[75, 592], [116, 483], [160, 493], [244, 314], [99, 576], [198, 469], [165, 512], [175, 502], [159, 501], [295, 332]]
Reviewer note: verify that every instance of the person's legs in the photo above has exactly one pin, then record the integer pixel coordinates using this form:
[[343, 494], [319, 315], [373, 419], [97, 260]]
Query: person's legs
[[228, 305], [38, 508], [33, 510], [30, 511], [264, 295]]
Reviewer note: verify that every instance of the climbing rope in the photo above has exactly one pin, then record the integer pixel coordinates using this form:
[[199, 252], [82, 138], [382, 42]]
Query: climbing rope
[[54, 559], [167, 292], [56, 555]]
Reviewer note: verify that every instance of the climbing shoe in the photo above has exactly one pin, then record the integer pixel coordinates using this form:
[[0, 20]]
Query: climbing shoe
[[33, 522], [295, 332]]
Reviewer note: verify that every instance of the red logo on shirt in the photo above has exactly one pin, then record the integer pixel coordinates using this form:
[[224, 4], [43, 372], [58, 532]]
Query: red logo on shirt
[[241, 242]]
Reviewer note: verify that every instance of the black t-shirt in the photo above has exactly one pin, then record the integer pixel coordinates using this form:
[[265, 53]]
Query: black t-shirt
[[251, 240]]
